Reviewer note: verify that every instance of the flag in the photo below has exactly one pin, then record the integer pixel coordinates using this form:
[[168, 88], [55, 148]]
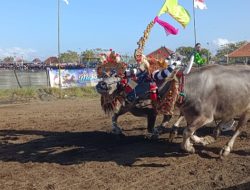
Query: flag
[[200, 4], [66, 1], [179, 13], [169, 29]]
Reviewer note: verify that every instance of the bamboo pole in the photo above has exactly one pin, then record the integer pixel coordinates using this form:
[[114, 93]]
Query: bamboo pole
[[58, 47], [194, 24]]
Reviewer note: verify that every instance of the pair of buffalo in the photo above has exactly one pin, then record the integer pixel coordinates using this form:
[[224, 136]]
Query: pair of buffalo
[[213, 92]]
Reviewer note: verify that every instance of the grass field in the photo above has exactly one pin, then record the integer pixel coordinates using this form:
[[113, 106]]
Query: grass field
[[26, 94]]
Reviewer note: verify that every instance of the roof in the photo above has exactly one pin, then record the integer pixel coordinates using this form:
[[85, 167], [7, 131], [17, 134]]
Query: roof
[[51, 60], [36, 60], [243, 51], [161, 54]]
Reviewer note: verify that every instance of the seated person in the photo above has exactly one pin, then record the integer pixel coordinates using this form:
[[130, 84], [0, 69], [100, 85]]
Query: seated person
[[140, 85], [195, 58]]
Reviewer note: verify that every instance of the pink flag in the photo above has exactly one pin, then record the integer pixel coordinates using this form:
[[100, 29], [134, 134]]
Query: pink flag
[[200, 4], [168, 28]]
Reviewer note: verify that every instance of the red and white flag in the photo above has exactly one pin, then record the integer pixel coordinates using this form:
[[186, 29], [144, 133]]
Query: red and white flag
[[200, 4]]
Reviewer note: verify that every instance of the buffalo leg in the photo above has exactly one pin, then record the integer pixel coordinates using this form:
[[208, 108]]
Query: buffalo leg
[[149, 113], [174, 130], [162, 127], [120, 111], [217, 131], [229, 146], [189, 131], [222, 124], [115, 128], [203, 140], [151, 118]]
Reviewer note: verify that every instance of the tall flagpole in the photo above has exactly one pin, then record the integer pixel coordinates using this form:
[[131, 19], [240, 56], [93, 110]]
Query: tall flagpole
[[58, 43], [194, 23]]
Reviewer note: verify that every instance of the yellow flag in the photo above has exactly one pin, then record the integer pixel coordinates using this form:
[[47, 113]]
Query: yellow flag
[[179, 13]]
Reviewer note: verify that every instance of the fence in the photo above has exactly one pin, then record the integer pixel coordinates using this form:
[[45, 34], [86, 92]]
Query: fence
[[41, 78], [8, 79]]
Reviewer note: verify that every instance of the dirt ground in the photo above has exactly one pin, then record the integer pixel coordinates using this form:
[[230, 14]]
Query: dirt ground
[[66, 144]]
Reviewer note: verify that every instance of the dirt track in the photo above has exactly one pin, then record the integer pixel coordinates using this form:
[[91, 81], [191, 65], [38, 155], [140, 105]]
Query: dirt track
[[66, 145]]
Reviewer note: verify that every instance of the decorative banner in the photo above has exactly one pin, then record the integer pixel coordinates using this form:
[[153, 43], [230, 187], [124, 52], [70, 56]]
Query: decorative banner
[[179, 13], [73, 77]]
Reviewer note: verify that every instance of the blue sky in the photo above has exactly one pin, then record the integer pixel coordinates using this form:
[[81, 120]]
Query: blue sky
[[29, 27]]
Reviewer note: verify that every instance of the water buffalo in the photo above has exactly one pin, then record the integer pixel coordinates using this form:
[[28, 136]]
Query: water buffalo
[[113, 101], [215, 92]]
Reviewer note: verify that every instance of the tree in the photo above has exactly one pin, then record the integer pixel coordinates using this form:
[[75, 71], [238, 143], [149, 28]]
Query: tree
[[206, 54], [69, 57], [223, 51], [91, 57], [8, 59], [130, 60], [88, 55], [186, 52], [98, 51]]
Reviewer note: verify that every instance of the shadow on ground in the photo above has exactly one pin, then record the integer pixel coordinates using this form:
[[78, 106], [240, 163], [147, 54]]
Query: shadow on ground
[[77, 147], [67, 148]]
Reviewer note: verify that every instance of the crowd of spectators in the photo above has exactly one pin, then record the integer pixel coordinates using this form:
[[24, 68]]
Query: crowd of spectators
[[42, 66]]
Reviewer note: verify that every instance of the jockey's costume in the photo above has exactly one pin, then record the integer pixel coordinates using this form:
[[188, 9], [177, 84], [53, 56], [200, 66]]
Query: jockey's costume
[[159, 75], [195, 58], [140, 82]]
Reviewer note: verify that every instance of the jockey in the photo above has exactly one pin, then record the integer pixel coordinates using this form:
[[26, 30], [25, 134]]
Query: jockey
[[140, 80], [159, 75], [195, 58]]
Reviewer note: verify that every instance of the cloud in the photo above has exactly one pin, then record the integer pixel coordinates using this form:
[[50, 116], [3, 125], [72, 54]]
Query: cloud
[[221, 41], [26, 53]]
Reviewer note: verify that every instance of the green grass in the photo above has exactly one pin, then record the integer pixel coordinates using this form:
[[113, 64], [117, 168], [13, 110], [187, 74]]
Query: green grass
[[5, 93], [72, 92], [24, 92], [37, 93]]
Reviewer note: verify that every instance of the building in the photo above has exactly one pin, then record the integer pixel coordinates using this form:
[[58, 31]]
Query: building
[[243, 52], [36, 61], [51, 61], [160, 54]]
